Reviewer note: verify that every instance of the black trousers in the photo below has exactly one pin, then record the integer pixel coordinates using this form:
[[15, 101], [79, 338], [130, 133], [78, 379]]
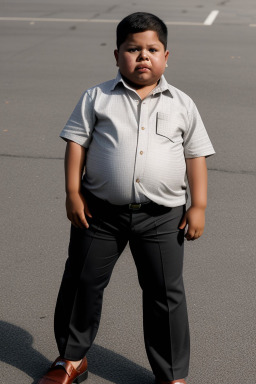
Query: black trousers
[[157, 247]]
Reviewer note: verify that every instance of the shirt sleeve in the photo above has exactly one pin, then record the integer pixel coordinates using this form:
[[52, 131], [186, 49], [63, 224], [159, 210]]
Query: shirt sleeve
[[196, 139], [80, 125]]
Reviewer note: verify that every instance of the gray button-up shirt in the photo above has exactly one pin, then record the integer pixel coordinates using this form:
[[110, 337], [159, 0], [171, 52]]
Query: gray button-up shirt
[[137, 148]]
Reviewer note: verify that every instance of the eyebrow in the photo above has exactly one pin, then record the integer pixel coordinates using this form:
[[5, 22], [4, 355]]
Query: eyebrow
[[138, 45]]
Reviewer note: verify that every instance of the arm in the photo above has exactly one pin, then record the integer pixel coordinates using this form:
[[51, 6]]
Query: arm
[[195, 215], [76, 205]]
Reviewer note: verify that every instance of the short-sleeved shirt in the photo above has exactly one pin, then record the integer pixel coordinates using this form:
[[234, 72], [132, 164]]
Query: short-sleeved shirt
[[137, 148]]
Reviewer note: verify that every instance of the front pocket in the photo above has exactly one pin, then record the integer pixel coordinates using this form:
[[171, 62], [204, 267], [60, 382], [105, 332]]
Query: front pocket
[[170, 126]]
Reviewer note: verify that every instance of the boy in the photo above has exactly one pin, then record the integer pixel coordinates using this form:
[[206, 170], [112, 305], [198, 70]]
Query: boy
[[137, 137]]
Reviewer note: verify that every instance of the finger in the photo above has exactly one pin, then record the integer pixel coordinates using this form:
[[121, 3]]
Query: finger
[[190, 234], [82, 221], [76, 221], [72, 219], [86, 209], [73, 222], [198, 234], [183, 223], [87, 212]]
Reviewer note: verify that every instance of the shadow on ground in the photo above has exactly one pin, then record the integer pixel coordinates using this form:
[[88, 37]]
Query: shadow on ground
[[17, 351]]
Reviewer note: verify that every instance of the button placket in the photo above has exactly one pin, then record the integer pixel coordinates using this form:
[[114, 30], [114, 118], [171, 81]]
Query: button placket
[[141, 146]]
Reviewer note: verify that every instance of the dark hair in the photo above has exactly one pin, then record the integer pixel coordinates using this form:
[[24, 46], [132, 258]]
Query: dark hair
[[140, 22]]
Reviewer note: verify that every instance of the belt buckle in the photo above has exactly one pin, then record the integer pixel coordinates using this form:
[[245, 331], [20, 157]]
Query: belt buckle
[[134, 207]]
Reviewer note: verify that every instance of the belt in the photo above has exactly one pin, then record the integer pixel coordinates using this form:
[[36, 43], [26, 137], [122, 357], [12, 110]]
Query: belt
[[135, 206], [138, 207], [148, 206]]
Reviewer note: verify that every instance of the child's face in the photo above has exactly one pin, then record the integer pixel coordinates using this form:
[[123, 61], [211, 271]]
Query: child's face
[[142, 59]]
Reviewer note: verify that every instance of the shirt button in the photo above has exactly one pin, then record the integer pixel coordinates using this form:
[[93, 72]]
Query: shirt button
[[141, 152], [137, 180], [142, 128]]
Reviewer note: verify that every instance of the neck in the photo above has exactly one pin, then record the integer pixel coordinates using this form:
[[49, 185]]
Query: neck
[[142, 90]]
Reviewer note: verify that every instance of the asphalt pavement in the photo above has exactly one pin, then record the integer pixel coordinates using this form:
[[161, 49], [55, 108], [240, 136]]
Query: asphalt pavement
[[50, 52]]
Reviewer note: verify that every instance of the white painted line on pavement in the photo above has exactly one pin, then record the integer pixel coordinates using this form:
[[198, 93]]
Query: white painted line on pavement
[[211, 17]]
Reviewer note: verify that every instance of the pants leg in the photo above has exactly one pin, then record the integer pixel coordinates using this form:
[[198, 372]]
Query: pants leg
[[157, 247], [93, 253]]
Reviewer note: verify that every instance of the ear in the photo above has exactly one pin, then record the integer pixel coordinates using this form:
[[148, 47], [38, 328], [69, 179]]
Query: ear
[[166, 55], [116, 54]]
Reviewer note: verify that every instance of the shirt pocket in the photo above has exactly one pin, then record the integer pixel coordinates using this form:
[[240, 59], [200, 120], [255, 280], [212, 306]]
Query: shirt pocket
[[170, 126]]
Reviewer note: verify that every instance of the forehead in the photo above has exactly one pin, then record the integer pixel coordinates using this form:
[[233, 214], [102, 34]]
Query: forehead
[[147, 37]]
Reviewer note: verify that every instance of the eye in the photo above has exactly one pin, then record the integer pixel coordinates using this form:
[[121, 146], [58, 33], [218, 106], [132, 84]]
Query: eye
[[132, 49], [152, 50]]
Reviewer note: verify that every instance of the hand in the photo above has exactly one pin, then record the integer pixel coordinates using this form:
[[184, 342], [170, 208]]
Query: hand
[[195, 219], [77, 210]]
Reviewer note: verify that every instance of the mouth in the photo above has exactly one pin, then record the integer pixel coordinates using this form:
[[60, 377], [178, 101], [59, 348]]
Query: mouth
[[142, 68]]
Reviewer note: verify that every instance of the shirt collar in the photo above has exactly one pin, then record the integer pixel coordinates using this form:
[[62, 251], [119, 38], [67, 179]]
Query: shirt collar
[[161, 87], [117, 80]]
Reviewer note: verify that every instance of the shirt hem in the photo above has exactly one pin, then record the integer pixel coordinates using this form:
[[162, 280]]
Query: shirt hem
[[75, 139], [202, 154]]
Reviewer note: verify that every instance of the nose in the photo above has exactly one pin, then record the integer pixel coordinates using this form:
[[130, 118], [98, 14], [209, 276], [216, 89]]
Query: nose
[[143, 55]]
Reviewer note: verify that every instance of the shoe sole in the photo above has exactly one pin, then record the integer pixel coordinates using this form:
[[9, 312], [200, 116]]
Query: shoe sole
[[79, 379]]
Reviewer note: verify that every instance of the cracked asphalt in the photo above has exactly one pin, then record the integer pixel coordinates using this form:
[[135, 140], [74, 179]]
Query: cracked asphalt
[[45, 67]]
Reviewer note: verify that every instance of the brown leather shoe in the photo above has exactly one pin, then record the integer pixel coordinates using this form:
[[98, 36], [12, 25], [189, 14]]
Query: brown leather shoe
[[180, 381], [63, 372]]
